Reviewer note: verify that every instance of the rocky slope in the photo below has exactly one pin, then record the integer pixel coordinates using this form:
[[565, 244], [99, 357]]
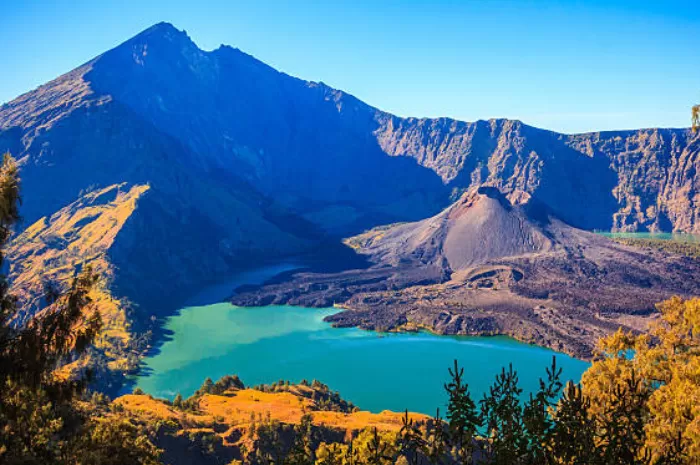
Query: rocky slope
[[236, 155], [53, 249], [488, 266], [334, 159], [622, 180]]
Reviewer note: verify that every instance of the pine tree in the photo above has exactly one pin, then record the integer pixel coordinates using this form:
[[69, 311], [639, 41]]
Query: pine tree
[[573, 433], [351, 454], [207, 387], [536, 416], [622, 423], [270, 447], [435, 448], [41, 420], [302, 452], [410, 439], [331, 454], [461, 414], [378, 450], [502, 414]]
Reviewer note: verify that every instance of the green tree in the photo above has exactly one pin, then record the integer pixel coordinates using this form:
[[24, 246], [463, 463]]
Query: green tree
[[378, 450], [374, 447], [573, 434], [502, 414], [270, 448], [621, 425], [410, 440], [352, 454], [435, 447], [206, 388], [302, 451], [537, 420], [331, 454], [461, 414], [696, 117]]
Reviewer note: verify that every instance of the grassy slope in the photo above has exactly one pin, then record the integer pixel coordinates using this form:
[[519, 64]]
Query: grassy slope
[[231, 414], [79, 234]]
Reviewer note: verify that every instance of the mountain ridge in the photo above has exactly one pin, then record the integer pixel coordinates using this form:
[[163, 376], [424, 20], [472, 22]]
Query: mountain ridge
[[462, 154]]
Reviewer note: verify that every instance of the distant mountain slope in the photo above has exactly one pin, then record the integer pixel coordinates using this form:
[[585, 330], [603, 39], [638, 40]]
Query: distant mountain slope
[[305, 144], [231, 117]]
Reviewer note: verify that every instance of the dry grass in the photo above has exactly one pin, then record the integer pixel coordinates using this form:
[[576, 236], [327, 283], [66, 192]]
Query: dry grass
[[78, 234], [234, 410]]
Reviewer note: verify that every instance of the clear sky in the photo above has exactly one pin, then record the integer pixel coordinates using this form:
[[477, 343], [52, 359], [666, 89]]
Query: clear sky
[[570, 66]]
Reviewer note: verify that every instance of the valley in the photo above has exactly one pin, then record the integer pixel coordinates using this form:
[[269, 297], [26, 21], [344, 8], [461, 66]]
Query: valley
[[270, 167]]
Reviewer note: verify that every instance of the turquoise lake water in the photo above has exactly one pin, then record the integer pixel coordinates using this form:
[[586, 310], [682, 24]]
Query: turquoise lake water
[[375, 371]]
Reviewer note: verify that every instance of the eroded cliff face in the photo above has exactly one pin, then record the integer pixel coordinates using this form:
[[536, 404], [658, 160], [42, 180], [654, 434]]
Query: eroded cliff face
[[658, 183], [625, 180]]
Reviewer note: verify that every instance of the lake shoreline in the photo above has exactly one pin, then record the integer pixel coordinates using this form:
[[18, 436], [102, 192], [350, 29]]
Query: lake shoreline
[[265, 344]]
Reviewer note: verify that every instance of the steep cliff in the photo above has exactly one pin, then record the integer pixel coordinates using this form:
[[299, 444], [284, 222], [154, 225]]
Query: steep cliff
[[623, 180]]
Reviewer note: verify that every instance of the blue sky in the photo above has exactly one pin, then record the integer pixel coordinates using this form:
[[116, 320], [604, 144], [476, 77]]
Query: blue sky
[[571, 66]]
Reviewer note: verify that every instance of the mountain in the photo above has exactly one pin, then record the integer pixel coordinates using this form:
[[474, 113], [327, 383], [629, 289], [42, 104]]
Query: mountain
[[170, 167], [477, 228], [486, 265], [332, 158]]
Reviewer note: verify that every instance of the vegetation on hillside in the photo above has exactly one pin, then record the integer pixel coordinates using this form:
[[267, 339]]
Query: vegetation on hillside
[[45, 416], [81, 234]]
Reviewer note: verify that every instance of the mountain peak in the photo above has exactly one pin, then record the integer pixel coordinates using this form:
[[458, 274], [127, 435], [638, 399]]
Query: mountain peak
[[160, 35], [162, 29]]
